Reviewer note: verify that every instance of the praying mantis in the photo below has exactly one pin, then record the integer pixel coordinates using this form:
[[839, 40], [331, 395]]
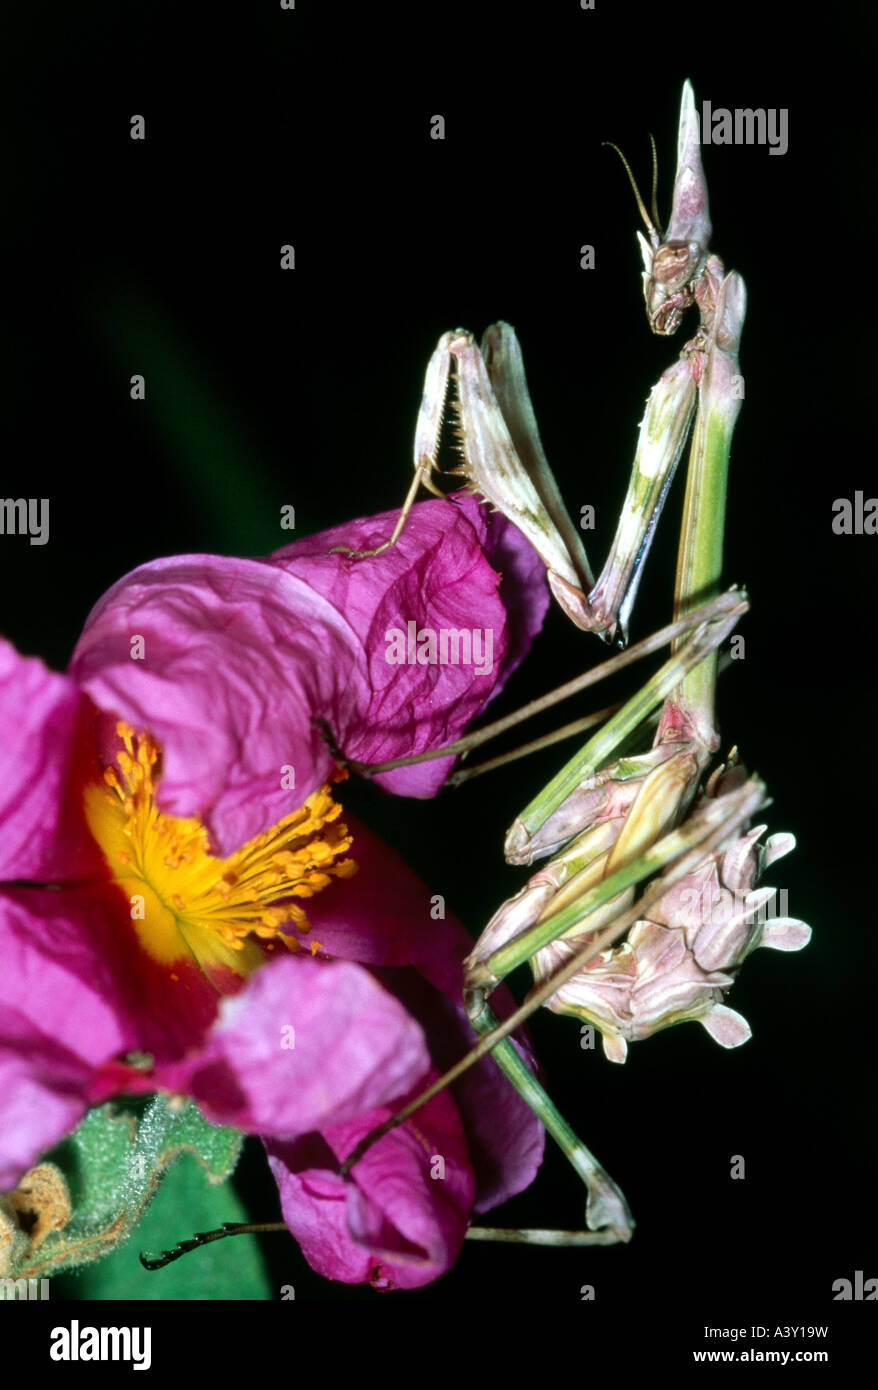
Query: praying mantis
[[608, 823]]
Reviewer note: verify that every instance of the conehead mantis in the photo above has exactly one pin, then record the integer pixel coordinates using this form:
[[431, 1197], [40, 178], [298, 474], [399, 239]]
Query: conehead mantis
[[645, 907], [629, 965]]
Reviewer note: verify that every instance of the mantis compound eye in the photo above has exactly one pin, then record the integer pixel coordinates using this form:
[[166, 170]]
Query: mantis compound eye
[[675, 263], [668, 287]]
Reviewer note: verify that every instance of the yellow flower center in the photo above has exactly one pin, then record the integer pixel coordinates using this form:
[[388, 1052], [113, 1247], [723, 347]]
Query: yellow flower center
[[187, 903]]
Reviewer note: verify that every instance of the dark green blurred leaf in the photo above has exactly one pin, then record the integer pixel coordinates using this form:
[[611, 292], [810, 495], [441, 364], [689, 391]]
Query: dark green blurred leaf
[[186, 1203], [200, 428]]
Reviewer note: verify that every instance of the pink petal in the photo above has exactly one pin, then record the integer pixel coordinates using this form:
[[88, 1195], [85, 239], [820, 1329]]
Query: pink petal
[[382, 918], [504, 1138], [228, 685], [524, 589], [354, 1046], [43, 1098], [59, 1020], [242, 658], [437, 576], [400, 1218], [43, 720]]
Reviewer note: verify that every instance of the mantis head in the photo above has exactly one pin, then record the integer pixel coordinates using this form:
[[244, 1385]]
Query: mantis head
[[673, 263]]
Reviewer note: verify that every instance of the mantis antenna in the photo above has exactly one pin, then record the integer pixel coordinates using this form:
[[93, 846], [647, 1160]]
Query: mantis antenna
[[655, 214], [641, 206]]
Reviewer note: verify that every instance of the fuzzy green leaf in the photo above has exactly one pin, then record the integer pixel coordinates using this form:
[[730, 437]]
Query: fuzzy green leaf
[[229, 1269], [113, 1164]]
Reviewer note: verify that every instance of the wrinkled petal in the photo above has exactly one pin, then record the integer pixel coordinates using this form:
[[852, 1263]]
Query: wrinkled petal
[[354, 1046], [228, 684], [524, 589], [44, 722], [399, 1219], [437, 576], [268, 648]]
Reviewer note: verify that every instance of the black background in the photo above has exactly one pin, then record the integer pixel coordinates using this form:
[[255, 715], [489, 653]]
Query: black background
[[312, 127]]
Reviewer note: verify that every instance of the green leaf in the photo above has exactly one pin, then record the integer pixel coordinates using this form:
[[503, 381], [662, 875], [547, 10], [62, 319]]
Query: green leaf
[[187, 1202], [113, 1164]]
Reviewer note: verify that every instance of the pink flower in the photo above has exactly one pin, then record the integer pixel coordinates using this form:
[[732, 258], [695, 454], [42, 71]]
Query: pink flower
[[167, 810]]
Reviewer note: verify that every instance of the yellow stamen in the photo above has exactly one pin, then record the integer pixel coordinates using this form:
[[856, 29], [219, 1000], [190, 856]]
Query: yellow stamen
[[184, 901]]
